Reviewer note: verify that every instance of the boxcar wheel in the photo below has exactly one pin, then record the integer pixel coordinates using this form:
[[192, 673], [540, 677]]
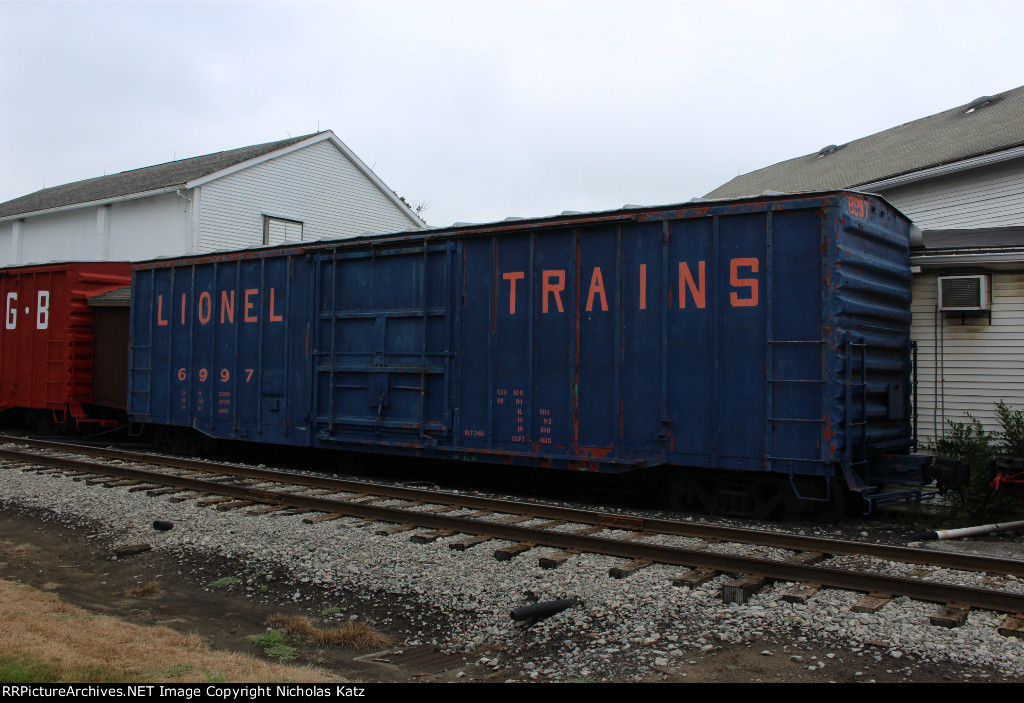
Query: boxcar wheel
[[40, 422], [174, 441], [768, 496], [675, 490]]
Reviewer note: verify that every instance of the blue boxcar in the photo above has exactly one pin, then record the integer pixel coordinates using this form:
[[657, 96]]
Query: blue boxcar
[[760, 343]]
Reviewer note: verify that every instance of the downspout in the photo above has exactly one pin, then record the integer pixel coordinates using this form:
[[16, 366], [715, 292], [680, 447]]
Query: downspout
[[935, 371], [942, 358], [190, 211]]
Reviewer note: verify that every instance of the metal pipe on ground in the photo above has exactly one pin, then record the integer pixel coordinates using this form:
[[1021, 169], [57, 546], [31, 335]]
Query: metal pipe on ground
[[542, 610], [967, 531]]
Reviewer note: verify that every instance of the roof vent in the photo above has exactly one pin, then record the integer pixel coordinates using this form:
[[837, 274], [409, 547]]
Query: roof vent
[[978, 104], [831, 148]]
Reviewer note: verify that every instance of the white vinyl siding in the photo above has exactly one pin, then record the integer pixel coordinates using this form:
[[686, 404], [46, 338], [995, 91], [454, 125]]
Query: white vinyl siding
[[316, 185], [968, 367], [985, 197], [132, 230]]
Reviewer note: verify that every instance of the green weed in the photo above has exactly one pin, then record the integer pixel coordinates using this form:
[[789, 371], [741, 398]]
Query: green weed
[[274, 644], [223, 582]]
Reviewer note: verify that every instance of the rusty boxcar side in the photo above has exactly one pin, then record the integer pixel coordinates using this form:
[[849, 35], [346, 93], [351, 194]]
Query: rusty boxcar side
[[759, 342]]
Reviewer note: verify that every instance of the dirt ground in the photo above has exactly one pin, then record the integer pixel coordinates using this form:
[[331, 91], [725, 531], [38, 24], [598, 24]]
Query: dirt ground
[[37, 550]]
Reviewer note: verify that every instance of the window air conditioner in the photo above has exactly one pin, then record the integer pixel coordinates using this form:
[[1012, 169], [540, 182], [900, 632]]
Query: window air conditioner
[[964, 293]]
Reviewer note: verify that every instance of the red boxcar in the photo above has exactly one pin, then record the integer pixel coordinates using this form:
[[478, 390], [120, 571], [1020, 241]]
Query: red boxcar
[[48, 342]]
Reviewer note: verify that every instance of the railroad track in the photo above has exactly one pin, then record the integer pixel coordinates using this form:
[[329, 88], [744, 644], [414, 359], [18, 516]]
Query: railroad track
[[469, 522]]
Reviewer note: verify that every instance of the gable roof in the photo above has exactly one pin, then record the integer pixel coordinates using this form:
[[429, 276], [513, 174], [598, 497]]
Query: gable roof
[[948, 137], [140, 180]]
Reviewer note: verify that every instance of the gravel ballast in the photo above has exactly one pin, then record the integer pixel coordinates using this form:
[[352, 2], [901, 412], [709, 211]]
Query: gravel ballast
[[621, 629]]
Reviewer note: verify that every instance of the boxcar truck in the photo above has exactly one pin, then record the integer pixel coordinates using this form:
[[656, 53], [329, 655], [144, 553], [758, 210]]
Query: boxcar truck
[[755, 351]]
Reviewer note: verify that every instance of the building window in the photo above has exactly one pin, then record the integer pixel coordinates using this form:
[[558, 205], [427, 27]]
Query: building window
[[277, 230]]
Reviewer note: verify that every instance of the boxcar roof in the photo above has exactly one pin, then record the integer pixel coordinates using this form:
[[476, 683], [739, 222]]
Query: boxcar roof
[[565, 219]]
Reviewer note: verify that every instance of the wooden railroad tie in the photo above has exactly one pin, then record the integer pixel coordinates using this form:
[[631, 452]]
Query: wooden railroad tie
[[589, 530], [164, 491], [1013, 626], [953, 615], [553, 562], [464, 544], [266, 509], [144, 487], [801, 593], [742, 588], [235, 504], [624, 570], [322, 517], [207, 502], [432, 536], [739, 590], [471, 541], [695, 577], [189, 495], [872, 603], [395, 529], [114, 483], [512, 551], [202, 475]]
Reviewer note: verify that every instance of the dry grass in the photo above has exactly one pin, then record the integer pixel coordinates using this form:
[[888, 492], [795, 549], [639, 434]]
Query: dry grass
[[356, 634], [15, 551], [148, 590], [39, 630]]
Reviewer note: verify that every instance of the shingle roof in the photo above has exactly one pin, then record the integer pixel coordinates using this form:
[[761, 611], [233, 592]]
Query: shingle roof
[[140, 180], [948, 137], [117, 298]]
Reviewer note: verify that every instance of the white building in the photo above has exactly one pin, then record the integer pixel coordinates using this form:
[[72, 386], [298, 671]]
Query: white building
[[959, 175], [300, 189]]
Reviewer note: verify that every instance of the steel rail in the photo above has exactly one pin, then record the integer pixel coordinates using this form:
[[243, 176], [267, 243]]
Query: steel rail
[[917, 589], [765, 538]]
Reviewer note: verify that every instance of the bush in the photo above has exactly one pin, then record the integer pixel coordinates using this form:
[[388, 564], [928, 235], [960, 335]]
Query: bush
[[1012, 437], [970, 443]]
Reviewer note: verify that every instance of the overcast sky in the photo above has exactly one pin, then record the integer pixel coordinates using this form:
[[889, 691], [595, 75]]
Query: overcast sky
[[484, 110]]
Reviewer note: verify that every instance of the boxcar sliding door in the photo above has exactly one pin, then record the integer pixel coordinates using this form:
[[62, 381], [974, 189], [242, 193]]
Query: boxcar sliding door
[[383, 344]]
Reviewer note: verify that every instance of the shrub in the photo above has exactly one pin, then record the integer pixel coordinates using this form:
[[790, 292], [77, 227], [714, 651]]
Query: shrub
[[970, 443], [1012, 437]]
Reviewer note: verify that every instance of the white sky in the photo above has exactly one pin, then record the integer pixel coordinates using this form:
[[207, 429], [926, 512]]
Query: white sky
[[485, 109]]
